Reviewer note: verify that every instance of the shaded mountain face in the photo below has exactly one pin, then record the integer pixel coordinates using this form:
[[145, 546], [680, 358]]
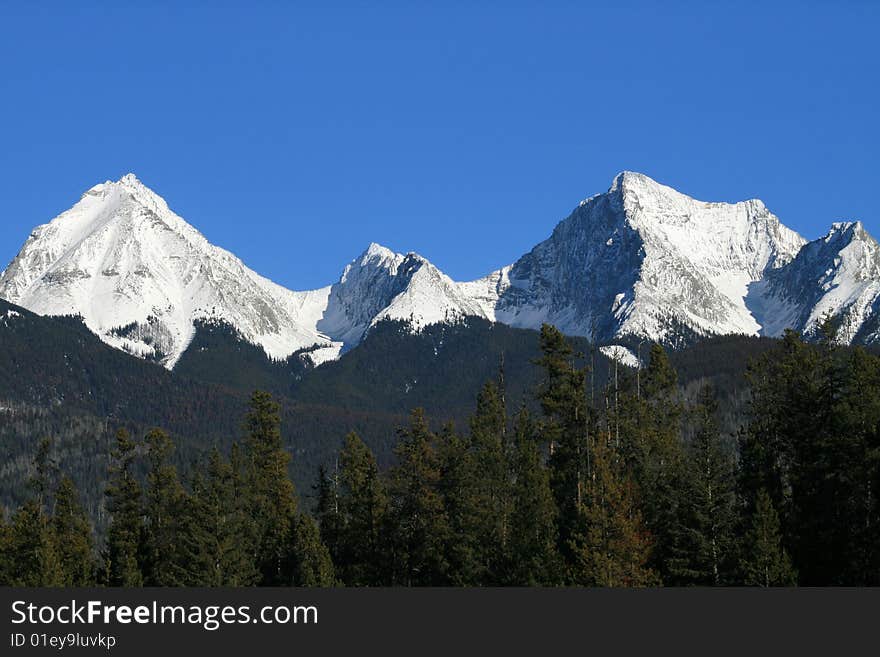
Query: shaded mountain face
[[836, 275], [642, 259], [639, 261], [139, 276]]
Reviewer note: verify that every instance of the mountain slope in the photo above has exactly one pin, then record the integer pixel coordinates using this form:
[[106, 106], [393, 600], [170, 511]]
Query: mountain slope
[[837, 275], [643, 259], [139, 276], [640, 261]]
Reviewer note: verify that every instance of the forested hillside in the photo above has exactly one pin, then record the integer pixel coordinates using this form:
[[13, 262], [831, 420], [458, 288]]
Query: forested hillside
[[57, 379], [626, 483]]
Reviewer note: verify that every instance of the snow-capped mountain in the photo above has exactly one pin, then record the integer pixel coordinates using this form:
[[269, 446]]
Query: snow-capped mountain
[[381, 284], [838, 275], [140, 276], [639, 260], [645, 260]]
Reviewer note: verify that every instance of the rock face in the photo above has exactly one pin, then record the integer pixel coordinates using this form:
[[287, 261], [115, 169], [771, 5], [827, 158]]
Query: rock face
[[139, 276], [640, 260], [643, 259]]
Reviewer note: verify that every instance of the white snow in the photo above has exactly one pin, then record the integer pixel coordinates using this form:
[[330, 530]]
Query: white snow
[[636, 260], [120, 256], [620, 354]]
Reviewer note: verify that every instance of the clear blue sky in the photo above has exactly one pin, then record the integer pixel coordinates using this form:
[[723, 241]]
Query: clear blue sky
[[295, 133]]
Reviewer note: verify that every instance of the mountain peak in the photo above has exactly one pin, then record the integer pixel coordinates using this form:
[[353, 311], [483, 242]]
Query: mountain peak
[[376, 250], [633, 181], [843, 227]]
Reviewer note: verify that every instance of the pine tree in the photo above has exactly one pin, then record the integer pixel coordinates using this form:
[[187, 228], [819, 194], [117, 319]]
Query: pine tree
[[532, 556], [492, 484], [652, 448], [565, 430], [363, 505], [858, 467], [33, 554], [611, 546], [764, 560], [457, 486], [328, 513], [73, 537], [312, 565], [270, 492], [417, 518], [43, 549], [217, 533], [703, 538], [124, 501], [45, 473], [165, 501]]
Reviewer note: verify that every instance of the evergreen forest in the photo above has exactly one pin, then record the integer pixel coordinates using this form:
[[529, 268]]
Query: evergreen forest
[[628, 479]]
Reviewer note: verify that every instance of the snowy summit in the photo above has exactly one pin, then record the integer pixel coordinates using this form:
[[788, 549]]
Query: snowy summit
[[641, 259]]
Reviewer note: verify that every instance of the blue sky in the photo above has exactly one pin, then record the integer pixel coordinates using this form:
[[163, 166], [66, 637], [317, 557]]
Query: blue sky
[[295, 133]]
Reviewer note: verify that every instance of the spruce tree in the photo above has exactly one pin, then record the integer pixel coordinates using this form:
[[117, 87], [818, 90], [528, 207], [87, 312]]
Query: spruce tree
[[611, 546], [33, 555], [565, 430], [217, 531], [417, 518], [703, 537], [270, 493], [165, 501], [489, 450], [652, 448], [73, 537], [123, 560], [858, 464], [7, 568], [533, 559], [458, 489], [764, 560], [363, 505], [312, 565]]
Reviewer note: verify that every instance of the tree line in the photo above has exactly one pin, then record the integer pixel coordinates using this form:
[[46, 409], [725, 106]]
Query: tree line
[[619, 485]]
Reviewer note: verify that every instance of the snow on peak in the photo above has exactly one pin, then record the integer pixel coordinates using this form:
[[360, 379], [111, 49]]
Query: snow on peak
[[140, 276], [645, 259], [847, 230], [640, 259], [375, 250]]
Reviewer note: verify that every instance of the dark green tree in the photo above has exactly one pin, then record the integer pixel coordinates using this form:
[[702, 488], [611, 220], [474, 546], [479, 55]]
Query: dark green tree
[[165, 503], [363, 505], [533, 559], [33, 557], [491, 484], [458, 489], [703, 540], [417, 518], [217, 531], [764, 560], [565, 430], [270, 493], [312, 565], [653, 449], [123, 558], [73, 537]]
